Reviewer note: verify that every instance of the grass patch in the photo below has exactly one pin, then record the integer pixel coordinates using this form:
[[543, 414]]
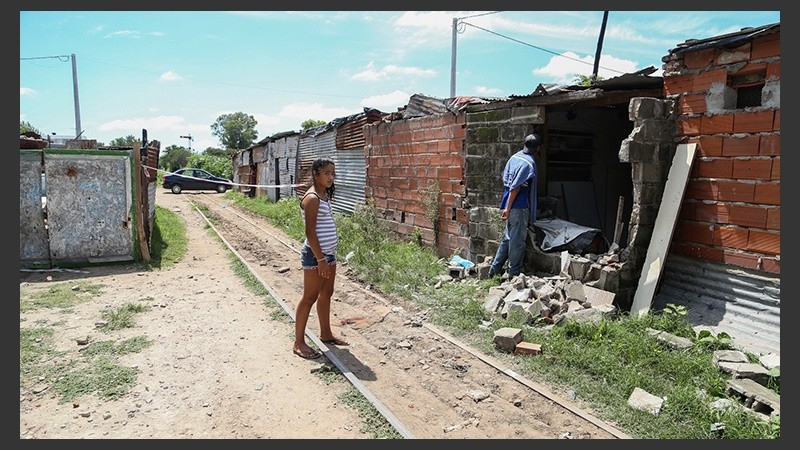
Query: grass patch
[[168, 240], [59, 295], [100, 376], [121, 317]]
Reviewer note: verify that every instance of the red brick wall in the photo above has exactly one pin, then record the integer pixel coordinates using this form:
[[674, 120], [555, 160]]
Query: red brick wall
[[405, 159], [731, 208]]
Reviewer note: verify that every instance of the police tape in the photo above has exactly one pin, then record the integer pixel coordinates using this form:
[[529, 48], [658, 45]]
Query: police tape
[[166, 172]]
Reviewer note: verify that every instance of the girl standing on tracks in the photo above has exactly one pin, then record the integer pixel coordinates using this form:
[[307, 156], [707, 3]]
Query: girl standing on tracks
[[318, 257]]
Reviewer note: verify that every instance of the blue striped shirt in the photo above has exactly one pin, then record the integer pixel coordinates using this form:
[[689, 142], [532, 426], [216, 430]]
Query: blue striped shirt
[[326, 227]]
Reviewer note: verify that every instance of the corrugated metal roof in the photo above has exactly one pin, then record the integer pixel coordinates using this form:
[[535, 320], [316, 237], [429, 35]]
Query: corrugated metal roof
[[743, 304], [725, 40], [640, 79]]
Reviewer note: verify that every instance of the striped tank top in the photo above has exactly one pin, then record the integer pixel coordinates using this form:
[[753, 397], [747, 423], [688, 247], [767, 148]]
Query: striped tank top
[[326, 227]]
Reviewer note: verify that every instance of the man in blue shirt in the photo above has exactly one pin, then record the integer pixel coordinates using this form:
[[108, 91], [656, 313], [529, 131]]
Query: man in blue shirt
[[518, 207]]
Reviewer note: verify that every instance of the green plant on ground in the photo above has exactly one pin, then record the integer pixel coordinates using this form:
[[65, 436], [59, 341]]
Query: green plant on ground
[[168, 240], [121, 317], [59, 295]]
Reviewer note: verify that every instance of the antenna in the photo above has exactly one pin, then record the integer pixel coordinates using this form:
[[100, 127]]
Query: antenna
[[190, 138]]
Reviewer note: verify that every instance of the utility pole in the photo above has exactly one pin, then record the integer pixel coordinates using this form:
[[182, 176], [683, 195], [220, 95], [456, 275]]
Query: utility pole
[[78, 129], [453, 59], [190, 138], [599, 47]]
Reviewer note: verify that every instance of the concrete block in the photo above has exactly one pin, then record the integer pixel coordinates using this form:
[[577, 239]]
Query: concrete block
[[507, 338]]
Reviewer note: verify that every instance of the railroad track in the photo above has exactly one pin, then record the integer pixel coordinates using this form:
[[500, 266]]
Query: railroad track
[[423, 381]]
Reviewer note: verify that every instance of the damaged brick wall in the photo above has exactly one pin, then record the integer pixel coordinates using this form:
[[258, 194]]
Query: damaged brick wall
[[731, 208], [415, 178]]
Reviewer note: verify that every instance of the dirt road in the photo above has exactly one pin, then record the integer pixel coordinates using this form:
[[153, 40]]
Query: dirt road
[[221, 365]]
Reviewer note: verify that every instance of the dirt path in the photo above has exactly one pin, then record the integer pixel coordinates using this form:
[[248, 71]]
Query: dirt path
[[221, 367]]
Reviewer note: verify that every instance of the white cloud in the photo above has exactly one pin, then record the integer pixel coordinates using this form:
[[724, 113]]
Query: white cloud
[[124, 34], [386, 102], [563, 70], [170, 76], [487, 91], [28, 91], [391, 71], [305, 111]]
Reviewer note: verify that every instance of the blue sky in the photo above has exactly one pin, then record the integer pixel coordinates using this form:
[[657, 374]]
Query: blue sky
[[174, 72]]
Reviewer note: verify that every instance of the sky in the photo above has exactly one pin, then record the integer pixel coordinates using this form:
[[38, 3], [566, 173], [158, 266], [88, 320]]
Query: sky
[[173, 73]]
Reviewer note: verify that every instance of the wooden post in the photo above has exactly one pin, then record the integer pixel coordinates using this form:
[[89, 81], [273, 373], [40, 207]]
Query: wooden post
[[144, 247], [619, 224]]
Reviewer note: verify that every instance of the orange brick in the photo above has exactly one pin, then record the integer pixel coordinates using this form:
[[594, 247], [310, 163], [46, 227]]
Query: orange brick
[[677, 84], [707, 212], [712, 168], [776, 124], [770, 145], [703, 80], [767, 193], [753, 122], [752, 68], [773, 219], [771, 265], [731, 237], [689, 126], [733, 55], [716, 124], [692, 104], [764, 242], [774, 70], [776, 169], [752, 169], [697, 251], [695, 233], [527, 348], [699, 59], [747, 260], [735, 191], [748, 216], [741, 146], [766, 47], [708, 146]]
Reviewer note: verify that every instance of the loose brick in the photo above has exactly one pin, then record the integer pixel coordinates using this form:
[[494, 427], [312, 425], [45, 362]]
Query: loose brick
[[528, 348]]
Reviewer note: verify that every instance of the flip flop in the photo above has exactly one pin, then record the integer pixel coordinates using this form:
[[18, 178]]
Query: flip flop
[[313, 354], [335, 341]]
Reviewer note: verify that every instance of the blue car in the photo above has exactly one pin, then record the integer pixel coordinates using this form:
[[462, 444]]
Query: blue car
[[190, 179]]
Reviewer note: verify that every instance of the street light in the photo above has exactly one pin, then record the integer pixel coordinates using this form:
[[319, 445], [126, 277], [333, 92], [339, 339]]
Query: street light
[[190, 138]]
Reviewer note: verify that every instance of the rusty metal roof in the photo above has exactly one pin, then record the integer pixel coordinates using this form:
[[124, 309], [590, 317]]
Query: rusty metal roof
[[725, 40], [640, 79]]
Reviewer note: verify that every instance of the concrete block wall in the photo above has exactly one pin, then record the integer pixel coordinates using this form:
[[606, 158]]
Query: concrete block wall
[[415, 174], [731, 209]]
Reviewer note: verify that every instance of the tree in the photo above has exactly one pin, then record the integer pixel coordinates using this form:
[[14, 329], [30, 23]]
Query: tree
[[311, 123], [25, 127], [173, 158], [235, 131], [127, 141], [214, 151], [585, 80], [217, 165]]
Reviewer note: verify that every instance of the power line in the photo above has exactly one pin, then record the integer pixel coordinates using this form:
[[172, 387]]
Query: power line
[[538, 48]]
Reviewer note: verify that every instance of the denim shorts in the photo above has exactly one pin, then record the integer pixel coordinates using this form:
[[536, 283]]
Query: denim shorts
[[308, 259]]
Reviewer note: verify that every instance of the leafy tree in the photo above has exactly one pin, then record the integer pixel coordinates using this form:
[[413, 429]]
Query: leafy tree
[[218, 165], [127, 141], [214, 151], [173, 158], [585, 80], [235, 131], [311, 123], [25, 127]]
